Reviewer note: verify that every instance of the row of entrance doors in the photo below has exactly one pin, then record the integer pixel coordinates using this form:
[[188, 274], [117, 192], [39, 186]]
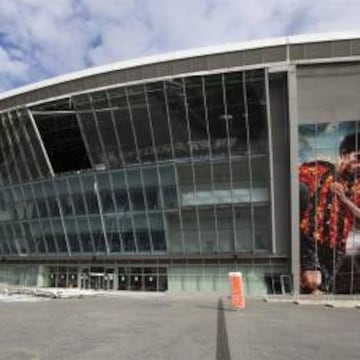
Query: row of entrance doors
[[128, 278], [112, 278]]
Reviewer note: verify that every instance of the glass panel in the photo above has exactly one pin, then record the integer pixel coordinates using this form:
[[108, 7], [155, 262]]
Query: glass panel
[[120, 192], [88, 124], [7, 211], [113, 234], [18, 204], [98, 234], [37, 235], [216, 115], [260, 181], [141, 123], [60, 236], [88, 183], [76, 195], [170, 196], [20, 238], [126, 229], [40, 200], [225, 228], [105, 192], [85, 235], [234, 89], [123, 125], [17, 148], [107, 131], [64, 196], [191, 231], [28, 151], [256, 105], [262, 219], [243, 229], [48, 236], [51, 198], [159, 120], [197, 117], [176, 107], [35, 158], [29, 238], [174, 233], [209, 242], [72, 234], [30, 205]]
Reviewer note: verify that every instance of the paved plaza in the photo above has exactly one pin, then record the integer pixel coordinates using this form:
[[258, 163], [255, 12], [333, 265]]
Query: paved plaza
[[175, 327]]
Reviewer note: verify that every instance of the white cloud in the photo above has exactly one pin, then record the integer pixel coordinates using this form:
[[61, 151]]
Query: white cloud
[[39, 39]]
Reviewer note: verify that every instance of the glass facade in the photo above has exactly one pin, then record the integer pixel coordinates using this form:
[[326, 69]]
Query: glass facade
[[178, 167]]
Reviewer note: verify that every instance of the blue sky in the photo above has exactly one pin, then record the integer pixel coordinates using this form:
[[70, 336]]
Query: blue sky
[[41, 39]]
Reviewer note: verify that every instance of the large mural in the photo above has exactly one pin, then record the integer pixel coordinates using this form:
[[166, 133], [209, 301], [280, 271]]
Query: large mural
[[329, 185]]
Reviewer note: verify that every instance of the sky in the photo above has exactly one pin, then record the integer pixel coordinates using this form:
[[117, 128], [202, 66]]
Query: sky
[[40, 39]]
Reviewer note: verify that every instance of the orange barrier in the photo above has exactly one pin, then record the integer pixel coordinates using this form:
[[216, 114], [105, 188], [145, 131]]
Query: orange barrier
[[237, 291]]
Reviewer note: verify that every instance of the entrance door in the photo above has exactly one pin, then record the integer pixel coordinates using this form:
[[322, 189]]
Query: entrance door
[[150, 279], [123, 279], [97, 281], [136, 279], [109, 279]]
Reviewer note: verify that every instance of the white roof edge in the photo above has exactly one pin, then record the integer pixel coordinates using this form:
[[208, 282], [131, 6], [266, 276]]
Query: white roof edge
[[182, 54]]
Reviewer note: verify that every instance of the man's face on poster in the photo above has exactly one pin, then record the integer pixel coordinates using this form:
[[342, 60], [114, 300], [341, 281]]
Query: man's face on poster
[[350, 162]]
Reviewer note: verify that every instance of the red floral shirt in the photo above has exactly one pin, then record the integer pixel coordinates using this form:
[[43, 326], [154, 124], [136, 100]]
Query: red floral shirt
[[325, 218]]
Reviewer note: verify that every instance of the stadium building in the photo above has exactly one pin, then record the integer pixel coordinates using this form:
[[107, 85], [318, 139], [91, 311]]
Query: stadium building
[[167, 172]]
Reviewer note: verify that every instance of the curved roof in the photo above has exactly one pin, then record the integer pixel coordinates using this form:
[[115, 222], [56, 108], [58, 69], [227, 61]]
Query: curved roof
[[184, 54]]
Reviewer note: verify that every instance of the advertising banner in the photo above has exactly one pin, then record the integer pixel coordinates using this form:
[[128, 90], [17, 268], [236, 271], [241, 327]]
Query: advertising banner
[[329, 191]]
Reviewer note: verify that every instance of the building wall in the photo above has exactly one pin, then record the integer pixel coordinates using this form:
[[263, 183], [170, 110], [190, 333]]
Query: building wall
[[328, 113]]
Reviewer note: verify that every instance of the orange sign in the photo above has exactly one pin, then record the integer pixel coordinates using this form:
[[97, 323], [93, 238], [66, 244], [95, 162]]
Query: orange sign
[[237, 290]]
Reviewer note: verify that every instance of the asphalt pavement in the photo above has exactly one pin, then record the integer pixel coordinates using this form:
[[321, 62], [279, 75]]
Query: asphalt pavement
[[175, 327]]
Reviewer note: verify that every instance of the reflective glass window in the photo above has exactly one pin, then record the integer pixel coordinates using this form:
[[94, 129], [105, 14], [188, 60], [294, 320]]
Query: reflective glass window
[[177, 114], [48, 236], [59, 235], [107, 132], [91, 134], [72, 235], [140, 117], [262, 220], [120, 191], [208, 233], [226, 229], [159, 120], [234, 90], [29, 238], [20, 238], [216, 114], [76, 195], [89, 187], [105, 191], [51, 198], [256, 106], [98, 234], [191, 231], [64, 196], [243, 225], [118, 101], [85, 234], [197, 117]]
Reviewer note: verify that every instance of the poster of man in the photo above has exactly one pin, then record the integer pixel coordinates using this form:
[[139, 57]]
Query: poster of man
[[329, 184]]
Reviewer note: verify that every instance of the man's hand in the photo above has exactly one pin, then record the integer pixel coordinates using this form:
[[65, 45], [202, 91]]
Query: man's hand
[[339, 191], [311, 280]]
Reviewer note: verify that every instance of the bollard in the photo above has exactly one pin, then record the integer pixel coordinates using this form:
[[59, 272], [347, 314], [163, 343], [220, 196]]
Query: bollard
[[237, 291]]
